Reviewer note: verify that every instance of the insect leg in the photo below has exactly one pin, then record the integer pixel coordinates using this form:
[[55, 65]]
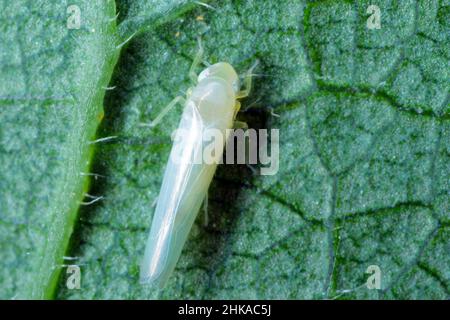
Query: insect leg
[[197, 60], [247, 82], [240, 125], [164, 111], [244, 126]]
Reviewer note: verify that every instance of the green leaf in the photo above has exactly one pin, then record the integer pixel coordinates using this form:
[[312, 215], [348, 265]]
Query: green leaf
[[364, 156], [139, 16], [52, 82]]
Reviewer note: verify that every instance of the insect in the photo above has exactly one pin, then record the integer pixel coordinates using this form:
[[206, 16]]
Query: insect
[[211, 103]]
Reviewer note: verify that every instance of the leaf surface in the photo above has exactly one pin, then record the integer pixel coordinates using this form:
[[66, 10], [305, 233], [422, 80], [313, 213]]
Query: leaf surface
[[364, 166], [52, 85]]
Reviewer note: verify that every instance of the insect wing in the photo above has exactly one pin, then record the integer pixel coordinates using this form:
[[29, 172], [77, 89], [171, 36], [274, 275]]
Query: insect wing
[[185, 184]]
